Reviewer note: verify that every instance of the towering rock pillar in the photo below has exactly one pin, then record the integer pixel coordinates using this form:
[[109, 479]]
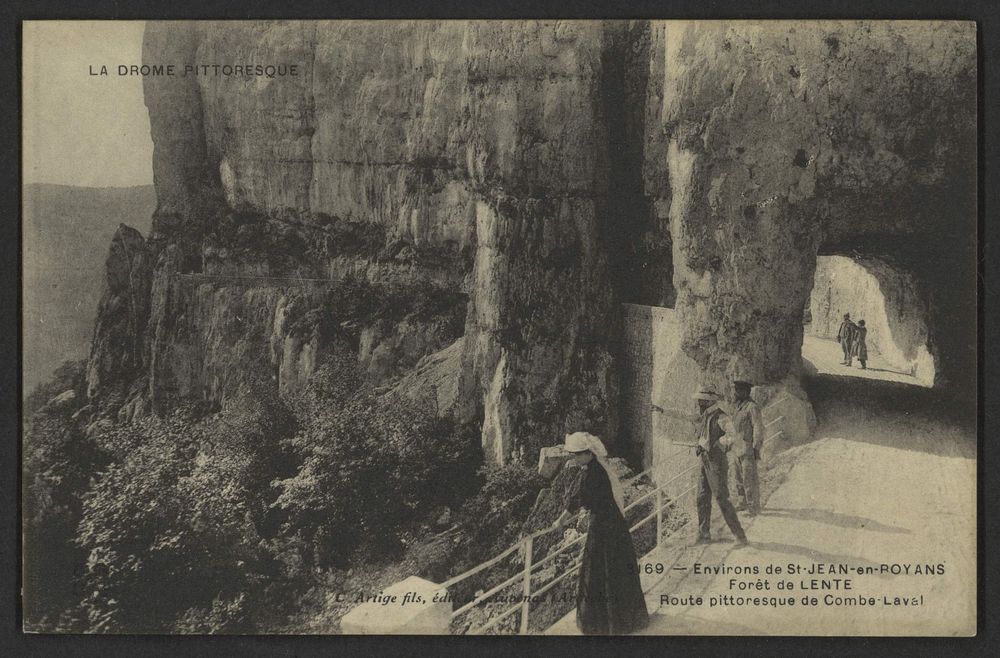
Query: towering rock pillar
[[543, 313], [116, 353], [187, 185], [784, 137]]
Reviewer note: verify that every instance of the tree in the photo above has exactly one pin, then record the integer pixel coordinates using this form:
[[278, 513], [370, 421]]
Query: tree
[[178, 524], [371, 467], [57, 464]]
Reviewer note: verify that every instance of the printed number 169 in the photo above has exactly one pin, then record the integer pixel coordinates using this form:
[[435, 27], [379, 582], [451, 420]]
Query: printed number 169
[[649, 568]]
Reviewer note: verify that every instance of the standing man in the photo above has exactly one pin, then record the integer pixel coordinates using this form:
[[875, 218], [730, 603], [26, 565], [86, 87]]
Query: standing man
[[748, 425], [845, 336], [713, 480]]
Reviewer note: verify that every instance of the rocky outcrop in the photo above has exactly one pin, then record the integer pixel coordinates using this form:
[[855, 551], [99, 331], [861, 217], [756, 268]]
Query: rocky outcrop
[[187, 186], [210, 338], [546, 171], [67, 230], [270, 187], [788, 138], [889, 302], [117, 352], [436, 378], [470, 154]]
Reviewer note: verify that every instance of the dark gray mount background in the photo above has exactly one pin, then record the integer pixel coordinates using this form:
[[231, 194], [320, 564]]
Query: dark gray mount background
[[15, 644]]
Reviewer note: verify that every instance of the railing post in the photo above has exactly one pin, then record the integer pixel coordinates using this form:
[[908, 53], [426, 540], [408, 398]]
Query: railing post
[[659, 515], [525, 605]]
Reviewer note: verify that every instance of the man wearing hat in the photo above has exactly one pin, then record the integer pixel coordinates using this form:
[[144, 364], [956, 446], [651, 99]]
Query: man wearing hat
[[714, 477], [748, 426]]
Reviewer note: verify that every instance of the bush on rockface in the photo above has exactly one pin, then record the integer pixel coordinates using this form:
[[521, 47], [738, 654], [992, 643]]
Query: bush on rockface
[[178, 521], [490, 521], [369, 468], [57, 463], [212, 520], [218, 520], [559, 550], [354, 303], [494, 516]]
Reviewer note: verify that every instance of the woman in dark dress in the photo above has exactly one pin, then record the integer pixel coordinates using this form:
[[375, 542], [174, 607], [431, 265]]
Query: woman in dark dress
[[609, 599]]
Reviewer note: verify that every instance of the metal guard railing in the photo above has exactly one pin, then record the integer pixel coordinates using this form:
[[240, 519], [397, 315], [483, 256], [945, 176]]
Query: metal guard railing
[[525, 545]]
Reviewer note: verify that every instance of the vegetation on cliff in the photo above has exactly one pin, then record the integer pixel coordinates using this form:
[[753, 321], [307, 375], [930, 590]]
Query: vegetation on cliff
[[235, 519]]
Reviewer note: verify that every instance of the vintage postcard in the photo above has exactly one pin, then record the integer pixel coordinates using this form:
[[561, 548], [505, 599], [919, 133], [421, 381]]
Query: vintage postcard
[[500, 327]]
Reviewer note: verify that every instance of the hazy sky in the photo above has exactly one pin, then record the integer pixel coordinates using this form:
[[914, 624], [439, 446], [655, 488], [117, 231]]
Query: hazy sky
[[80, 129]]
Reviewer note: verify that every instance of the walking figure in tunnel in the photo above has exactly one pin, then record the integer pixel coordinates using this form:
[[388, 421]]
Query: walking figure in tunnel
[[748, 427], [609, 598], [860, 349], [845, 336]]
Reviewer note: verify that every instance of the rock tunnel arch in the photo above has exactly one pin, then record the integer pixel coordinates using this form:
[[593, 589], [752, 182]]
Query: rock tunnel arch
[[920, 290], [778, 154], [884, 296]]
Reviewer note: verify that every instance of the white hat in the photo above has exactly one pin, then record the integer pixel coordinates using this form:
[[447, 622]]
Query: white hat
[[581, 441]]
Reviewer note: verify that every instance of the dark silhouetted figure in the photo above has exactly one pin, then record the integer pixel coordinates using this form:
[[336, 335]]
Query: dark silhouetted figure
[[845, 336], [609, 598], [860, 348]]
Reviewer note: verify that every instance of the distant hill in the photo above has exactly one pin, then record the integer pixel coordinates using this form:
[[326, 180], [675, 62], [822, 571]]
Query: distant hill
[[66, 234]]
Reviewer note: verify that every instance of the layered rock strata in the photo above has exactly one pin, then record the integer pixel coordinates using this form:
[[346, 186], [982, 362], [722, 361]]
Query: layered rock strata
[[537, 174], [471, 156]]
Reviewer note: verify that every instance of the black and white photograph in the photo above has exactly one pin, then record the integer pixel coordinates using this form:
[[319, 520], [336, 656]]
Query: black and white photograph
[[499, 327]]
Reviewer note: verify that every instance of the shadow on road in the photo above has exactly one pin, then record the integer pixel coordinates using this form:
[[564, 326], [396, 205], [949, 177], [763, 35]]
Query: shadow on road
[[895, 372], [835, 519], [894, 415]]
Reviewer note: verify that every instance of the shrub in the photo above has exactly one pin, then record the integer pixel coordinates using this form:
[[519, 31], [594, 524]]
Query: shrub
[[57, 464], [494, 516], [370, 467], [219, 522], [222, 616], [176, 523], [354, 303]]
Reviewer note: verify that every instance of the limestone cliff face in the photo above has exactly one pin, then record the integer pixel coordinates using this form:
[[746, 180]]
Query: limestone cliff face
[[543, 314], [789, 138], [472, 156], [533, 175]]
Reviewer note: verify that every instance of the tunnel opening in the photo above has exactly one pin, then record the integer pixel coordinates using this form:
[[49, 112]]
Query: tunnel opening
[[916, 296], [866, 318]]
